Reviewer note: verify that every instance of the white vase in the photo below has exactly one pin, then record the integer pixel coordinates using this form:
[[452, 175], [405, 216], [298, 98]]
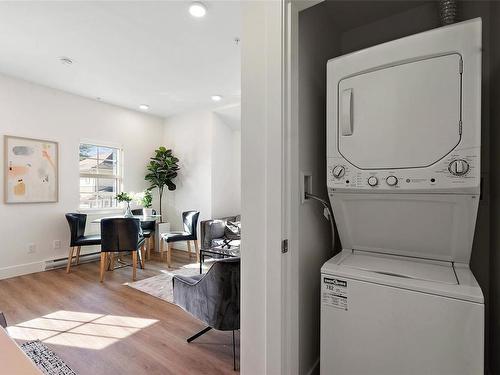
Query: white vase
[[147, 211], [128, 211]]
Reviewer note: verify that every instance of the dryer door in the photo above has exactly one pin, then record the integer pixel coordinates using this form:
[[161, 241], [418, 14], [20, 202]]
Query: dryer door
[[403, 116]]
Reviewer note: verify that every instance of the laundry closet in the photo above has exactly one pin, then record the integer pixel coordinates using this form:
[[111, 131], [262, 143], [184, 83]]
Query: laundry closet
[[334, 28]]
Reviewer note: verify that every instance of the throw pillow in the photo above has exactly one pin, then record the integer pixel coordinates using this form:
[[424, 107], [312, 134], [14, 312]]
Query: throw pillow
[[233, 230]]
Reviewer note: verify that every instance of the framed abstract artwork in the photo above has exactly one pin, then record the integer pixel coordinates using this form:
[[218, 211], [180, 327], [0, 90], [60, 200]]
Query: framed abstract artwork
[[31, 170]]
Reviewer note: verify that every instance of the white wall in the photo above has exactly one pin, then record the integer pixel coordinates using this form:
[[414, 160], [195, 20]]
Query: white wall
[[209, 154], [188, 135], [226, 169], [35, 111]]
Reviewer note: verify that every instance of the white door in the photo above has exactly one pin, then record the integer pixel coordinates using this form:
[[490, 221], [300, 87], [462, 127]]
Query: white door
[[402, 116]]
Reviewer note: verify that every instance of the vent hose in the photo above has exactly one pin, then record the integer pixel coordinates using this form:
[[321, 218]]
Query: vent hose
[[448, 11], [328, 208]]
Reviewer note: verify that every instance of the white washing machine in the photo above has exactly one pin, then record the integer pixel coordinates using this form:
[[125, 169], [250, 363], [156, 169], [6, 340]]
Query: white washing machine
[[403, 129]]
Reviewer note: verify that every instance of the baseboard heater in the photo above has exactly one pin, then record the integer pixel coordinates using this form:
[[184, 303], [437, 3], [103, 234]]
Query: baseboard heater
[[63, 262]]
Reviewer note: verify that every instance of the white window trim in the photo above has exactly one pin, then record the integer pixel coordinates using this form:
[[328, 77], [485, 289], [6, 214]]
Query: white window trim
[[93, 175]]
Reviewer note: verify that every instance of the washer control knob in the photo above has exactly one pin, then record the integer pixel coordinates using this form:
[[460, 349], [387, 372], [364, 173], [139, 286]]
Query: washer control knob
[[458, 167], [391, 180], [373, 181], [338, 171]]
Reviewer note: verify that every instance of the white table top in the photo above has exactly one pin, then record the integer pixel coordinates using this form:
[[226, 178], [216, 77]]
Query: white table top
[[140, 217], [12, 358]]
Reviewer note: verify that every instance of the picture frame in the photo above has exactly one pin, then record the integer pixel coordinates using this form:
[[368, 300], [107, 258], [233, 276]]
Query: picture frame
[[31, 170]]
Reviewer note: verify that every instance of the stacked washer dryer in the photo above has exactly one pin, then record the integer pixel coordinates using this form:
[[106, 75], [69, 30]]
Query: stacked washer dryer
[[404, 121]]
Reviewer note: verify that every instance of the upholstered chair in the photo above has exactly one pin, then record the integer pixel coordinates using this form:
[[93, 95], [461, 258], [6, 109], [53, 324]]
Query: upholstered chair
[[213, 298], [148, 230], [77, 223], [190, 222], [120, 235]]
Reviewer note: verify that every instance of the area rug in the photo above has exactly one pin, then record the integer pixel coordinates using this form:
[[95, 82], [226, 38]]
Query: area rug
[[160, 286], [46, 360]]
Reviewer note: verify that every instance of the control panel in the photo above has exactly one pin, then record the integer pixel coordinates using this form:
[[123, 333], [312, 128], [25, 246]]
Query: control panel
[[460, 169]]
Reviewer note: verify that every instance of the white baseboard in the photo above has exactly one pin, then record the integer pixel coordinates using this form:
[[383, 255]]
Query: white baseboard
[[21, 269], [314, 369]]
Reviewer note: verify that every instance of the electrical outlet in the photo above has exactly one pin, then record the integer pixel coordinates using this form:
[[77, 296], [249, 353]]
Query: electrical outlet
[[57, 244], [31, 248]]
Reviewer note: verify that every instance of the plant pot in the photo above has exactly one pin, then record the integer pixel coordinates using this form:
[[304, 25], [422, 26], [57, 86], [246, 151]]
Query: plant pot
[[147, 211]]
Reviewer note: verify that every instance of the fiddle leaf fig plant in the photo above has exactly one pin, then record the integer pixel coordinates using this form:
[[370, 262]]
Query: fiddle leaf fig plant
[[162, 170]]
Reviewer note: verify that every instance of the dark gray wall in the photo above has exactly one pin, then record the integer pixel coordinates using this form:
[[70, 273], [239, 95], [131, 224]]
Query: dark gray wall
[[494, 142], [403, 18], [314, 231]]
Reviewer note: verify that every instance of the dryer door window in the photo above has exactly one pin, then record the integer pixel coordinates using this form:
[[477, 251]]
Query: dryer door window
[[404, 116]]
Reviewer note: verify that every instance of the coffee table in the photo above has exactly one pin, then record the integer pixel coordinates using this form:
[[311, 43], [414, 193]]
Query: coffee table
[[217, 251]]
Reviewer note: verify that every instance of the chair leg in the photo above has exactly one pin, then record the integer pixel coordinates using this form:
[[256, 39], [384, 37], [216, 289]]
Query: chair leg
[[234, 353], [103, 265], [162, 248], [197, 247], [70, 259], [196, 335], [134, 265], [150, 245], [143, 254], [169, 253], [189, 248], [78, 255], [112, 261]]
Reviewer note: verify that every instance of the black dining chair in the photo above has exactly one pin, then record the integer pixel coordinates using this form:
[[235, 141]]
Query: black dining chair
[[120, 235], [77, 223], [190, 222], [148, 231], [213, 298]]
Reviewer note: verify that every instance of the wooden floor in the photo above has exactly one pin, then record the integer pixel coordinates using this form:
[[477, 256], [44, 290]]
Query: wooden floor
[[111, 328]]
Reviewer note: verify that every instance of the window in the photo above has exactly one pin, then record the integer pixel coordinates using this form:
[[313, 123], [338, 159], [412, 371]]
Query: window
[[100, 175]]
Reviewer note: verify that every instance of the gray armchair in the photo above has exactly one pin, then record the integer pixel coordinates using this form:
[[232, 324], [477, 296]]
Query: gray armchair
[[214, 233], [213, 298]]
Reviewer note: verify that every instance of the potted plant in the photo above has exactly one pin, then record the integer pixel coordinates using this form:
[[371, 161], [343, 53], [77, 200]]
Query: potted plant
[[162, 170], [125, 197], [145, 199]]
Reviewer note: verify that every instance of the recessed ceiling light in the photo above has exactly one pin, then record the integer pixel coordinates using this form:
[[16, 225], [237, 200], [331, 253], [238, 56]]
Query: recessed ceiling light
[[216, 98], [144, 107], [197, 9], [65, 60]]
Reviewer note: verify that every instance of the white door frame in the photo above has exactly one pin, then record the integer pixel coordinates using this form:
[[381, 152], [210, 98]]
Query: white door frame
[[270, 186]]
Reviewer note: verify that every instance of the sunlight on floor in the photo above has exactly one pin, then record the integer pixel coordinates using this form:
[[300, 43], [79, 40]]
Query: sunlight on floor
[[79, 329]]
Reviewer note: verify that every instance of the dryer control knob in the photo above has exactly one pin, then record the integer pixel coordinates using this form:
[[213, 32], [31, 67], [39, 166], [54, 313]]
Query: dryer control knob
[[391, 180], [338, 171], [458, 167], [373, 181]]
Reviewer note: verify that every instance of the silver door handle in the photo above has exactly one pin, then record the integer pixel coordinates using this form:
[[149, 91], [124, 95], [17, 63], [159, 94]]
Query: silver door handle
[[346, 112]]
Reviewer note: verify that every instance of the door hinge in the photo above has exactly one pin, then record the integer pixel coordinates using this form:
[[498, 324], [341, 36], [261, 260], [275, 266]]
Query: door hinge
[[284, 246], [460, 127]]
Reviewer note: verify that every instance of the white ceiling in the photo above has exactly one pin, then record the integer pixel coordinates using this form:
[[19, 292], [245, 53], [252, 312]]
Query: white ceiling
[[126, 52]]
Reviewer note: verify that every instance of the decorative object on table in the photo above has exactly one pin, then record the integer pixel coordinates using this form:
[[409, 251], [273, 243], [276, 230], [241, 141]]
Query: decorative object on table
[[190, 222], [120, 235], [77, 223], [162, 170], [45, 359], [213, 298], [220, 238], [125, 197], [160, 286], [145, 199], [31, 170]]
